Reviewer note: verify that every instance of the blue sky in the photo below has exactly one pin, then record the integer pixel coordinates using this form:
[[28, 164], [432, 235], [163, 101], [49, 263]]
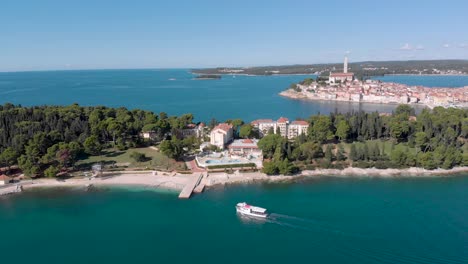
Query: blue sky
[[102, 34]]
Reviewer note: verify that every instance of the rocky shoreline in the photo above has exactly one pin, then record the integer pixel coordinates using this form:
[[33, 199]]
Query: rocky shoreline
[[350, 172], [298, 96]]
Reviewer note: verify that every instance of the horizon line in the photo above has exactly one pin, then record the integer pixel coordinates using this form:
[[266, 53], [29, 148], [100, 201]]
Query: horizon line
[[212, 67]]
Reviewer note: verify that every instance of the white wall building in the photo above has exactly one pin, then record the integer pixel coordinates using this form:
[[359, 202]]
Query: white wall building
[[244, 147], [221, 135], [297, 128], [282, 125], [264, 125]]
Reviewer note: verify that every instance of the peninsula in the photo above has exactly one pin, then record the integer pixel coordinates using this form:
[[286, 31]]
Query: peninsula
[[343, 86]]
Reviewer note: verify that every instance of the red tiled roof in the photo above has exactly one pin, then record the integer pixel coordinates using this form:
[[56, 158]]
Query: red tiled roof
[[300, 122], [258, 121], [247, 141], [4, 178], [223, 126], [283, 120]]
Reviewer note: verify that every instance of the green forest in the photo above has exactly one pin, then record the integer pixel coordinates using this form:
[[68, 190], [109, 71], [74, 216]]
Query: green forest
[[433, 139], [44, 140], [47, 140]]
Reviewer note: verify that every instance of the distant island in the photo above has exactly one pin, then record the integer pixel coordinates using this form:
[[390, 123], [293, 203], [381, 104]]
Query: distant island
[[344, 86], [361, 70], [208, 77]]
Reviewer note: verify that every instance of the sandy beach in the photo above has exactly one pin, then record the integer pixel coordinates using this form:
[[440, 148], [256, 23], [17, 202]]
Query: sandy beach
[[177, 182], [147, 179]]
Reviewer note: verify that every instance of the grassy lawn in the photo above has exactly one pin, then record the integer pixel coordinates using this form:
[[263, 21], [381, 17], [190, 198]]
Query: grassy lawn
[[155, 159], [386, 145]]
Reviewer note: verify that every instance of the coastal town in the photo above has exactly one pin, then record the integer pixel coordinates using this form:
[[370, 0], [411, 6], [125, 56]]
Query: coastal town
[[344, 87]]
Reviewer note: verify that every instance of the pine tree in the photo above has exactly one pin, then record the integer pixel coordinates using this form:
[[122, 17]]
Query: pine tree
[[329, 153], [340, 153], [365, 152], [353, 155]]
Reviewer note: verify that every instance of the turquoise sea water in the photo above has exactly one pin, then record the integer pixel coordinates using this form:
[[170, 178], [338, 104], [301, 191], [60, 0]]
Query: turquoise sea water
[[246, 97], [327, 220]]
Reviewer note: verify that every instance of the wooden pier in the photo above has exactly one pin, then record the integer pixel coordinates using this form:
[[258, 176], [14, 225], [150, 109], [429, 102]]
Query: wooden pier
[[190, 187]]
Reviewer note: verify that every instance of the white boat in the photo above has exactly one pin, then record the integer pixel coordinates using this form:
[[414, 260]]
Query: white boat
[[250, 210]]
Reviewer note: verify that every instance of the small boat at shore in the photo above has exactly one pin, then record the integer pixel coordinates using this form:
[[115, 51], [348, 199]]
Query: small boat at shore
[[250, 210]]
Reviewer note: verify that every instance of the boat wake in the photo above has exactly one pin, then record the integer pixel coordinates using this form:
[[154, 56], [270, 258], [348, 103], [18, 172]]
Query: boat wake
[[275, 216], [291, 221], [306, 224]]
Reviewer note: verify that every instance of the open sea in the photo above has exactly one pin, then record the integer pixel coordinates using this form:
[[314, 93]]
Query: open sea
[[327, 220], [175, 92]]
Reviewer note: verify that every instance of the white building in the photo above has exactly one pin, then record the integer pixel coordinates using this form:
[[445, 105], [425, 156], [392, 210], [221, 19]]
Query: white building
[[297, 128], [264, 125], [341, 77], [283, 123], [244, 147], [285, 128], [221, 135]]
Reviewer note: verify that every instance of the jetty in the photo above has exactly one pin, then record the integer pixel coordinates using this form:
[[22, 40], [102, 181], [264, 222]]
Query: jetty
[[194, 183], [11, 189]]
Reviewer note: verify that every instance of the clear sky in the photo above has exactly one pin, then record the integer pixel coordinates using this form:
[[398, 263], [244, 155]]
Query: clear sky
[[97, 34]]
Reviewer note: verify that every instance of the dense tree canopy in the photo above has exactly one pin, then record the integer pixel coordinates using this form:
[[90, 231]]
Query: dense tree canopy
[[433, 139], [40, 137], [49, 139]]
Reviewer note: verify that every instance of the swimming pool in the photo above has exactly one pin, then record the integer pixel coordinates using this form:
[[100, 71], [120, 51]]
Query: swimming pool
[[222, 161]]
